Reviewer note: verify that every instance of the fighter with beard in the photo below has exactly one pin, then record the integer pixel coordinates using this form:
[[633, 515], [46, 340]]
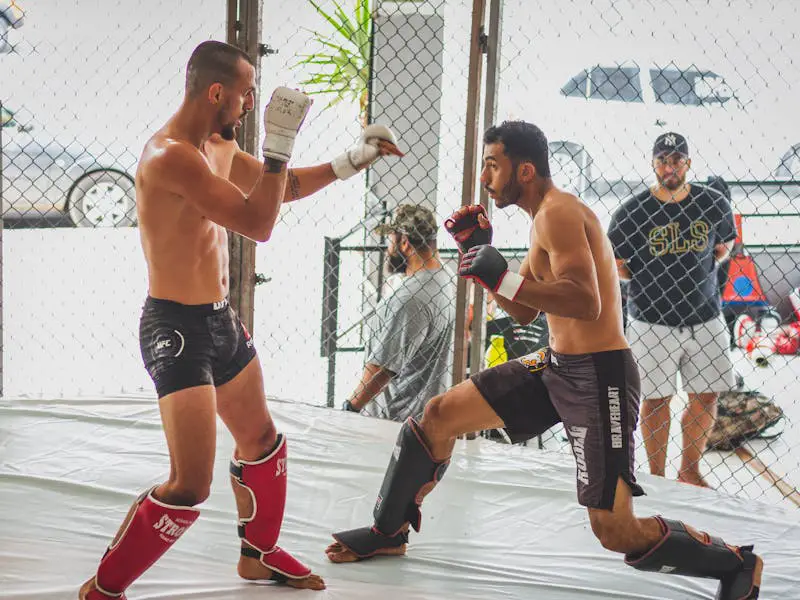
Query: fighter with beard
[[193, 183], [669, 241], [587, 379]]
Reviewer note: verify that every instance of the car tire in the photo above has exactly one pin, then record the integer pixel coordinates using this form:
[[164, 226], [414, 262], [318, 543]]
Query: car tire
[[570, 167], [104, 198]]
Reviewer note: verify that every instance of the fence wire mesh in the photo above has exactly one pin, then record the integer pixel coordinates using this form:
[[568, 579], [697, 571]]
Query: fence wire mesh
[[84, 87], [604, 79], [402, 64], [85, 84]]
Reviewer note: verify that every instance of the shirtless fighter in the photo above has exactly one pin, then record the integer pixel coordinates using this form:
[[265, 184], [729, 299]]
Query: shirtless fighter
[[191, 185], [587, 379]]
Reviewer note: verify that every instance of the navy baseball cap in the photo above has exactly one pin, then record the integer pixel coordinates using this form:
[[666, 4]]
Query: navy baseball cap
[[670, 143]]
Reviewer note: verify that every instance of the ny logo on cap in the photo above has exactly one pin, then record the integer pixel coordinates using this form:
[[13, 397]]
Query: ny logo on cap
[[670, 140]]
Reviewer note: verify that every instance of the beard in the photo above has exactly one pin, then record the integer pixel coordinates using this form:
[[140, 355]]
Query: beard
[[510, 194], [228, 129], [396, 263], [228, 132], [672, 182]]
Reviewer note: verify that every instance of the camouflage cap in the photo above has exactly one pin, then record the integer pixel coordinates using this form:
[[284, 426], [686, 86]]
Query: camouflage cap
[[417, 222]]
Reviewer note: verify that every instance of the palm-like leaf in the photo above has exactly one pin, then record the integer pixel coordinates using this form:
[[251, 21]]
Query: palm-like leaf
[[342, 64]]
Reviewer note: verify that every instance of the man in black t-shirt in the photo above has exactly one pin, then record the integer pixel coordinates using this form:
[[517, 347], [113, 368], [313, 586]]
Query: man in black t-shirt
[[668, 242]]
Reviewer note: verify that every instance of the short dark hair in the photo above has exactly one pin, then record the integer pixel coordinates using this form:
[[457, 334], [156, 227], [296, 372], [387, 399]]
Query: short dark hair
[[522, 141], [213, 62]]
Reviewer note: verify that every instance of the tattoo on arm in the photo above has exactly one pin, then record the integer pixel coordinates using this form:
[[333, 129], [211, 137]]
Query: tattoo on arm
[[273, 165], [294, 185]]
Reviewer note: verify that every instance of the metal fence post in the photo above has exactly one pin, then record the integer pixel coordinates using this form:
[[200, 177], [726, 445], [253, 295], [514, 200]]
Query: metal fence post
[[478, 329], [2, 227], [330, 310], [244, 29], [477, 45]]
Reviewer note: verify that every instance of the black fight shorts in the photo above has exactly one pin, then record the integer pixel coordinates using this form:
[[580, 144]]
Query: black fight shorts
[[595, 396], [186, 346]]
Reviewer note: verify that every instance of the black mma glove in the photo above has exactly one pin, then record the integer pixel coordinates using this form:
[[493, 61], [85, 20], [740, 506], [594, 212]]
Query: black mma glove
[[487, 266], [465, 227]]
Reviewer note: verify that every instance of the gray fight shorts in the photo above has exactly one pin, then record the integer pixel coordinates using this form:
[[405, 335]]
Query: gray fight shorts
[[596, 396]]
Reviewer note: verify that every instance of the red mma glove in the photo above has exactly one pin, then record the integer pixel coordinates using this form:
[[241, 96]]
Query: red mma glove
[[469, 227]]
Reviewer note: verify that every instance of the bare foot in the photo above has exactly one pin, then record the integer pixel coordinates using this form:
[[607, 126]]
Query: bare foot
[[339, 553], [693, 478], [757, 571], [89, 591], [252, 569], [747, 581], [87, 587]]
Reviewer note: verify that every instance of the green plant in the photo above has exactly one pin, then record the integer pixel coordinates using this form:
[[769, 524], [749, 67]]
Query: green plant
[[341, 67]]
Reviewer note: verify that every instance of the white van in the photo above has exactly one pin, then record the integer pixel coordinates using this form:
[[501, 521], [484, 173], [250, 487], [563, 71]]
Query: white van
[[603, 118]]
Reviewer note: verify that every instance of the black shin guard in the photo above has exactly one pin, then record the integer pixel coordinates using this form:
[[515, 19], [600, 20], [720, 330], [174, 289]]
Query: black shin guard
[[680, 552], [411, 475], [367, 541]]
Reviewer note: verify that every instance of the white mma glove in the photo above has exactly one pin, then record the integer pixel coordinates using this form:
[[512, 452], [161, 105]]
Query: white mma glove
[[283, 117], [364, 152]]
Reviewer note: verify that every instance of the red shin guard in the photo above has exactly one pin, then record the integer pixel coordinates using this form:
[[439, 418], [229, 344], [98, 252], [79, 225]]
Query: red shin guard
[[151, 530], [265, 481]]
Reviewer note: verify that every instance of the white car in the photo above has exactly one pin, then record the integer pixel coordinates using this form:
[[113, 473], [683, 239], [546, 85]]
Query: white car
[[601, 121], [44, 177], [11, 18]]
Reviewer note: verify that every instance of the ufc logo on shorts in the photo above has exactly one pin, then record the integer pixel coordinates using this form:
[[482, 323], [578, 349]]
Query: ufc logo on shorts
[[615, 417], [280, 467], [168, 529]]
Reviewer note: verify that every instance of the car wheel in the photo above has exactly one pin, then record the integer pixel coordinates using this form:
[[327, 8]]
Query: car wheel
[[570, 167], [103, 199]]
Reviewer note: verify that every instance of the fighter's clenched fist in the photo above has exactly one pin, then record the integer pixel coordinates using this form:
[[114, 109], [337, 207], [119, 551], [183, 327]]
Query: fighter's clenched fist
[[469, 227]]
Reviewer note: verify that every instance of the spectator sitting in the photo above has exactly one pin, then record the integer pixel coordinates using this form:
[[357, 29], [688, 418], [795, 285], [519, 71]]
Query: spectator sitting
[[409, 348]]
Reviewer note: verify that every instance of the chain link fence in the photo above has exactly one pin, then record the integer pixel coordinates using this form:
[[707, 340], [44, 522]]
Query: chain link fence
[[84, 85], [402, 64], [604, 79]]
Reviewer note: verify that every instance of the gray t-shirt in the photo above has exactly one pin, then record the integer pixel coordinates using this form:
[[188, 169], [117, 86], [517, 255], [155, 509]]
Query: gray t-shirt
[[411, 334]]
